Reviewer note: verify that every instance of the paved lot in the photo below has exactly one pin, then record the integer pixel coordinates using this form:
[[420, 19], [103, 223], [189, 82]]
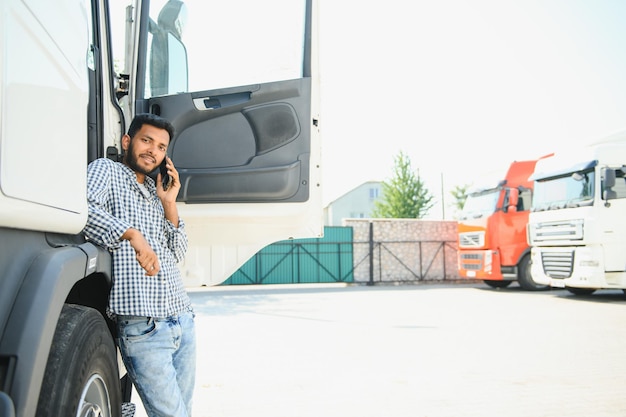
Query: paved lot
[[408, 351]]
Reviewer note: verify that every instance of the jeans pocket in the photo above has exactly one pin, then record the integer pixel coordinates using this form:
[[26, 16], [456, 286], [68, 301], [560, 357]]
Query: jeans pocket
[[136, 329]]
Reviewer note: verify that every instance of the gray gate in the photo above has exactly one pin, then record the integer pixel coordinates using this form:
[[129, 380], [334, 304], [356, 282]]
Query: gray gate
[[365, 251]]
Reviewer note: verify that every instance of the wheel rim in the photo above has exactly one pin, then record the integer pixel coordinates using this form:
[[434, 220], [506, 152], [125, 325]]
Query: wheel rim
[[94, 400]]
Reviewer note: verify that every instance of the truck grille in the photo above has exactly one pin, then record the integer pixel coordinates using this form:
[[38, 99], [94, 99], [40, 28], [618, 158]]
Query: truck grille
[[471, 261], [563, 230], [472, 240], [557, 264]]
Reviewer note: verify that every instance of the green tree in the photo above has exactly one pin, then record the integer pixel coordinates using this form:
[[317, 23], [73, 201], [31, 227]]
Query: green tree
[[459, 193], [405, 196]]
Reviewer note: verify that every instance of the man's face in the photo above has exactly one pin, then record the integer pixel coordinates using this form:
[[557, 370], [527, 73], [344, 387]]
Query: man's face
[[146, 151]]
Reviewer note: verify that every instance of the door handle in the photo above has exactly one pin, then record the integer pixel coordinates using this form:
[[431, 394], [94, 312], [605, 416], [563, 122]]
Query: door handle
[[220, 101]]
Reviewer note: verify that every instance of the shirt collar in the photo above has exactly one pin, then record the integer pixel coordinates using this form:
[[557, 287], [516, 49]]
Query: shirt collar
[[132, 177]]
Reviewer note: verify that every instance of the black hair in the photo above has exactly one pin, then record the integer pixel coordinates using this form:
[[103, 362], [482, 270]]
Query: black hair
[[152, 120]]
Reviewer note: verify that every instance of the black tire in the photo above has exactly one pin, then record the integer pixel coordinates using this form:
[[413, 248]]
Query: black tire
[[497, 284], [525, 278], [580, 291], [81, 377]]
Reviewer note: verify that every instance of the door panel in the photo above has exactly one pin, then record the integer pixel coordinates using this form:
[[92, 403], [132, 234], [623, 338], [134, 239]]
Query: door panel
[[238, 150]]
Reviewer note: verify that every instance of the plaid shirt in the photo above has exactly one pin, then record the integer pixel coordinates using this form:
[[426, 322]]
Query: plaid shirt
[[117, 203]]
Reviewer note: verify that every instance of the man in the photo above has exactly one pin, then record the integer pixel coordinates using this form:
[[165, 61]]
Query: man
[[137, 221]]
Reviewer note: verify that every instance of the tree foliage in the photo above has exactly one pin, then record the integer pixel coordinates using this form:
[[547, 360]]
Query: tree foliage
[[459, 193], [404, 196]]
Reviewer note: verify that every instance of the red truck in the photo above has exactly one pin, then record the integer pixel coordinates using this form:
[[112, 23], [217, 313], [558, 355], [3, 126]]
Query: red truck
[[492, 244]]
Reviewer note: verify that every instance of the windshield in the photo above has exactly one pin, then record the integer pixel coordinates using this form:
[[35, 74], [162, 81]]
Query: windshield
[[480, 204], [573, 190]]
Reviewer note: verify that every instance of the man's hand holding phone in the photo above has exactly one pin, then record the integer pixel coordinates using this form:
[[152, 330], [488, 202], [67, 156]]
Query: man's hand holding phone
[[168, 182]]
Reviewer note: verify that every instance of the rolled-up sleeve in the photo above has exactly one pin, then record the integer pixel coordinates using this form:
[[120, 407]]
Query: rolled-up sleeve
[[177, 239]]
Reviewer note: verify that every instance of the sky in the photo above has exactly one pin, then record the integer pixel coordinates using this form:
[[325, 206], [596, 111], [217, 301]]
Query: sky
[[464, 87]]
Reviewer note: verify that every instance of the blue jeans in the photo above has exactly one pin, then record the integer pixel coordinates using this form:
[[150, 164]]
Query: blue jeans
[[160, 358]]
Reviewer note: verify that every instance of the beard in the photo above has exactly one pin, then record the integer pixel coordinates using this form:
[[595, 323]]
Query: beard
[[131, 160]]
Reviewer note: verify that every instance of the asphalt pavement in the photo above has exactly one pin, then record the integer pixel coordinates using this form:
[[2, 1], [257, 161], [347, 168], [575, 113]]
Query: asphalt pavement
[[408, 351]]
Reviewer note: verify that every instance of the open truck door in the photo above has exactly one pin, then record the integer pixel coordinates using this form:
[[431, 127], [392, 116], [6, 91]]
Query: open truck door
[[239, 82]]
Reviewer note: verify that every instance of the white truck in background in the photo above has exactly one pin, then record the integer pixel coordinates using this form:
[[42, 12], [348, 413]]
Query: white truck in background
[[239, 81], [576, 225]]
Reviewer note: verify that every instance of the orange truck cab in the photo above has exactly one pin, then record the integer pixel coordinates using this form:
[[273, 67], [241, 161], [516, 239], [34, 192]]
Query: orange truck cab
[[492, 243]]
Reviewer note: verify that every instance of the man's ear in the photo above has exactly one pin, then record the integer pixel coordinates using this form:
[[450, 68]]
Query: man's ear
[[125, 142]]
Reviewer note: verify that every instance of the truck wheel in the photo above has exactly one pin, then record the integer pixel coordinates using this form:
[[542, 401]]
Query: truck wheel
[[497, 283], [525, 278], [81, 377]]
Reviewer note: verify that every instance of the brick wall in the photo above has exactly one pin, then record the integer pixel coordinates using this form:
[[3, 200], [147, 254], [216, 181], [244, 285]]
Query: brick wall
[[404, 250]]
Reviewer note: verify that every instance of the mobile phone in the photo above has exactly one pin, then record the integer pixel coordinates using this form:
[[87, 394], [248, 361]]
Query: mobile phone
[[165, 178]]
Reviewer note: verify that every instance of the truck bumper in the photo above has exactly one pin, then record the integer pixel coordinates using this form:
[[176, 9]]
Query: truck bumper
[[575, 267], [536, 268], [480, 264]]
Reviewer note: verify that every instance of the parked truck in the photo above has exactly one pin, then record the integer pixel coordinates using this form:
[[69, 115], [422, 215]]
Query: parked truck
[[239, 82], [576, 225], [492, 244]]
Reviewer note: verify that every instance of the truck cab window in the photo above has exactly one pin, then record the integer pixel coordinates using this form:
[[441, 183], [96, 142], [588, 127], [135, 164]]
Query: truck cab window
[[245, 42], [559, 192], [525, 197], [248, 42]]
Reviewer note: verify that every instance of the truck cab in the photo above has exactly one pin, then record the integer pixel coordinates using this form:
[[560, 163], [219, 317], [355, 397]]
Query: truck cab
[[492, 243], [576, 225], [239, 81]]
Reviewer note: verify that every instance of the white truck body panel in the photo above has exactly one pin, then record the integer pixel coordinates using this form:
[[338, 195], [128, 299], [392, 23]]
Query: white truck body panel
[[42, 150]]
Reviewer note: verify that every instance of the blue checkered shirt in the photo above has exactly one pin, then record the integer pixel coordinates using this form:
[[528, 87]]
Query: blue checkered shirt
[[117, 203]]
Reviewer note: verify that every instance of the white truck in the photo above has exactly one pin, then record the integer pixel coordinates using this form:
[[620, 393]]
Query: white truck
[[576, 225], [239, 81]]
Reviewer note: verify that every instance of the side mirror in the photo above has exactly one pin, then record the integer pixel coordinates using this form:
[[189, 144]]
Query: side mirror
[[168, 56], [173, 18], [608, 178], [513, 194], [608, 182]]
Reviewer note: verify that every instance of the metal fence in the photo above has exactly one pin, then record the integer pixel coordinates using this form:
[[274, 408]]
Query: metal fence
[[404, 250], [338, 258], [404, 261]]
